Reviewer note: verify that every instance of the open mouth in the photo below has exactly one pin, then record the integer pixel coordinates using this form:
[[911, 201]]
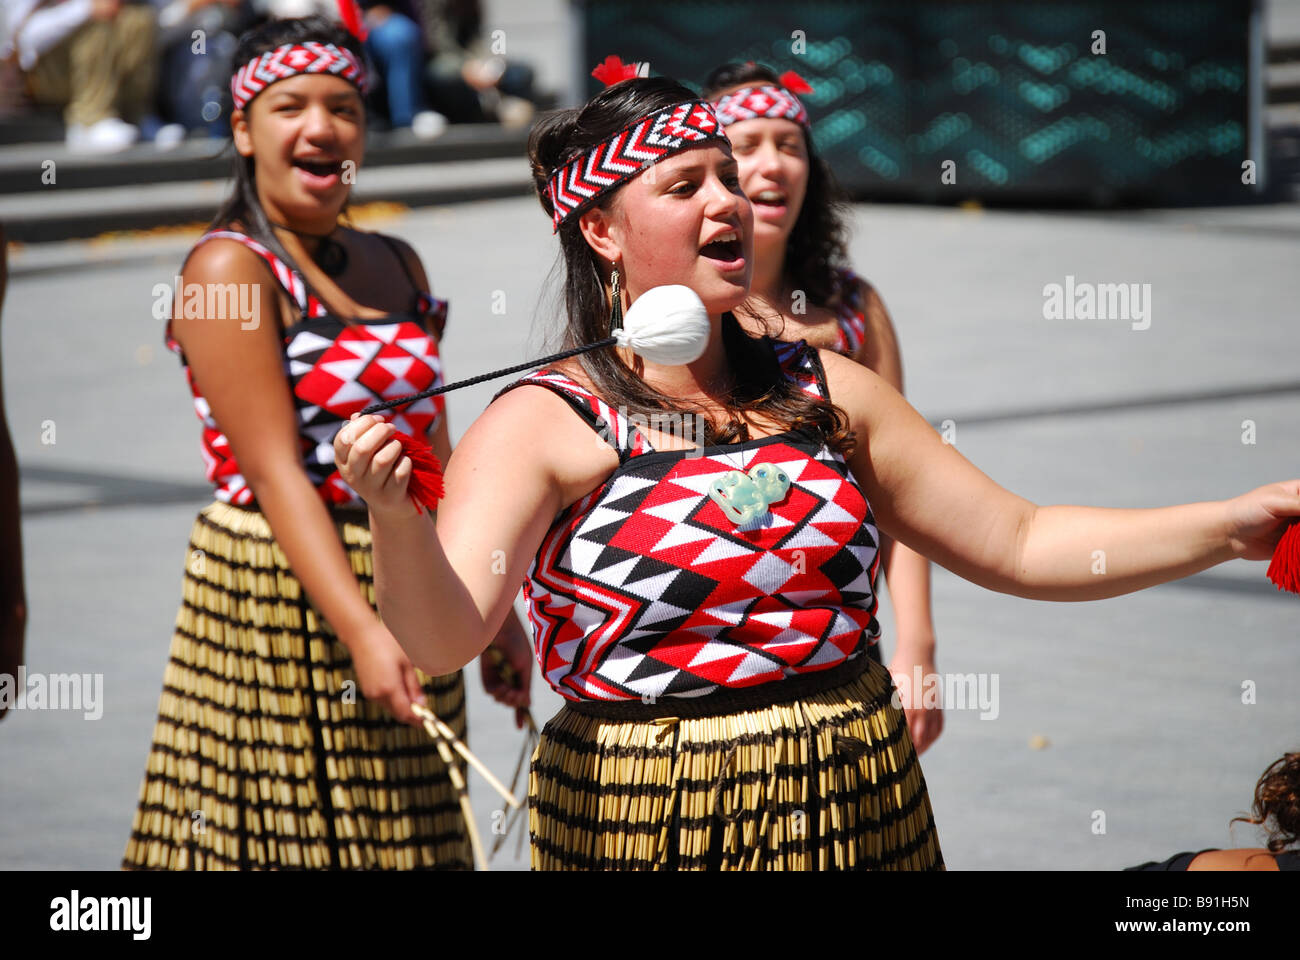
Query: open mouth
[[726, 249], [768, 198], [320, 169]]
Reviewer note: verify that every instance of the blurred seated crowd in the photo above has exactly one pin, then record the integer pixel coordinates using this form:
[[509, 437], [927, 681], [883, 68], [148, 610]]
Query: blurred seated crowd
[[121, 71]]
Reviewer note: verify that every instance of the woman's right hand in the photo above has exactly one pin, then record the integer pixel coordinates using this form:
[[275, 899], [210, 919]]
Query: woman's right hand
[[371, 462], [385, 673]]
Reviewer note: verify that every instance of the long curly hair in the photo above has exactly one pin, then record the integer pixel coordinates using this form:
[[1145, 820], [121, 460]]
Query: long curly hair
[[816, 247], [758, 384], [1277, 803]]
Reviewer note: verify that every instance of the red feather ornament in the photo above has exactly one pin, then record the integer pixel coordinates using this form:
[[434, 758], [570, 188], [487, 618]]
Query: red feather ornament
[[1285, 568], [353, 21], [614, 70], [794, 83]]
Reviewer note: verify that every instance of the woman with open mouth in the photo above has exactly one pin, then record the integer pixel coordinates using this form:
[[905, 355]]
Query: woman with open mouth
[[721, 708], [286, 736], [803, 289]]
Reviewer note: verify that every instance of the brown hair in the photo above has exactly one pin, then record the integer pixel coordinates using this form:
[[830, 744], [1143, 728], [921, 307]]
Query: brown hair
[[759, 385], [1277, 800]]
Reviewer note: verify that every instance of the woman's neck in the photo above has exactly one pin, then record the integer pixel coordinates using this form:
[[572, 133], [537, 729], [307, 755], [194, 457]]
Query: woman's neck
[[308, 229], [768, 280]]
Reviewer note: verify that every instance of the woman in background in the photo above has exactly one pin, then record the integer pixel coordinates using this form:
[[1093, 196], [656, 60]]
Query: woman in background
[[286, 736], [803, 290]]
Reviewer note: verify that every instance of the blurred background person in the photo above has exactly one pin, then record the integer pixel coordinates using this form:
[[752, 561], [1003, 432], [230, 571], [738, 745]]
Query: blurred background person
[[92, 58], [196, 40], [800, 225], [395, 45], [468, 81]]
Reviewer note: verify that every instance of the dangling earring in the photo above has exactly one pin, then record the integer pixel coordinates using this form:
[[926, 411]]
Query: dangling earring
[[616, 305]]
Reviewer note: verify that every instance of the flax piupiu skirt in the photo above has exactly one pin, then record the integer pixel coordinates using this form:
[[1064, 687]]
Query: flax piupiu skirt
[[827, 781], [265, 754]]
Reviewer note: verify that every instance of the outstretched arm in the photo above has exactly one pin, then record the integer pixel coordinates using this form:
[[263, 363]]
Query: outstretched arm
[[928, 495]]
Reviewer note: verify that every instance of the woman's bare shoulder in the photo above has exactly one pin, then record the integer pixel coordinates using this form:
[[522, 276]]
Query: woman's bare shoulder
[[531, 427], [1246, 858]]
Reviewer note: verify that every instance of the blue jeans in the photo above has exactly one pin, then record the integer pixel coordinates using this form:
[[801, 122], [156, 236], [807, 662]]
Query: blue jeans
[[395, 48]]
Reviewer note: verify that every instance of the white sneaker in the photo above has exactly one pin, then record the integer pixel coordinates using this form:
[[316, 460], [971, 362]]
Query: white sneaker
[[110, 135], [169, 136], [515, 112], [428, 124]]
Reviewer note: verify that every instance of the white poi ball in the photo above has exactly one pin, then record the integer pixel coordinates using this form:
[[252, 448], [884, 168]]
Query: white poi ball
[[667, 325]]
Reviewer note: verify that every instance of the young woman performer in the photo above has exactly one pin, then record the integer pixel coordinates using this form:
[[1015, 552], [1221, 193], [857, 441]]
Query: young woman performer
[[802, 289], [286, 736], [721, 710]]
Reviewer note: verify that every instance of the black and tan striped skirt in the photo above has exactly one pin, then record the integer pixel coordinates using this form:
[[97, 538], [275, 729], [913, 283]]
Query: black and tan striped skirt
[[265, 755], [829, 781]]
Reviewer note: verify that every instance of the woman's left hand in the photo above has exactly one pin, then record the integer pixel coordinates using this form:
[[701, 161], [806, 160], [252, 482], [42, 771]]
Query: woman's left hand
[[923, 723], [507, 674], [1255, 520]]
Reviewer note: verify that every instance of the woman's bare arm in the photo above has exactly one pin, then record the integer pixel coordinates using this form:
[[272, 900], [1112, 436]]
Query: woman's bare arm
[[928, 495]]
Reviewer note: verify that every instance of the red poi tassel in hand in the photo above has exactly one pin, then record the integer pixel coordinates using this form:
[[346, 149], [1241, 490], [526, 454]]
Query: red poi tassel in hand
[[1285, 567], [425, 486]]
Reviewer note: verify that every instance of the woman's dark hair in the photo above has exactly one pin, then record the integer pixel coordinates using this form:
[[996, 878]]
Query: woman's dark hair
[[1277, 803], [242, 205], [759, 386], [816, 246]]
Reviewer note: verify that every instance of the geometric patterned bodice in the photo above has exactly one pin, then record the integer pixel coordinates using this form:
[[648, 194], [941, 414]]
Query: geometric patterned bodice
[[851, 316], [334, 368], [644, 587]]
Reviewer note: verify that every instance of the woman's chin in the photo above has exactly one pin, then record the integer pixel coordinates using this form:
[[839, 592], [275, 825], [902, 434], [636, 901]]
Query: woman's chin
[[723, 296]]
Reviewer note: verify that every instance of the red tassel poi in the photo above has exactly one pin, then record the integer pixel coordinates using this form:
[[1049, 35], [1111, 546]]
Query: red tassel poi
[[1285, 568], [425, 485], [794, 83]]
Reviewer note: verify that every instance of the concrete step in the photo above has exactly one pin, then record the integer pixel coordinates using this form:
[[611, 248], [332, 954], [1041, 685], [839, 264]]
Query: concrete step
[[61, 214], [22, 165]]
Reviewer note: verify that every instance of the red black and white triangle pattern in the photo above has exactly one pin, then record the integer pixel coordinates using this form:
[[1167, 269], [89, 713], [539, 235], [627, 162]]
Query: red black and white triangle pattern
[[621, 157], [851, 313], [290, 60], [337, 370], [644, 588], [767, 102], [334, 369]]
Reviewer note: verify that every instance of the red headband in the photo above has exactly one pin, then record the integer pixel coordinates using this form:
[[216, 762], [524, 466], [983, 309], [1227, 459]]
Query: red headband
[[606, 166], [291, 60], [765, 102]]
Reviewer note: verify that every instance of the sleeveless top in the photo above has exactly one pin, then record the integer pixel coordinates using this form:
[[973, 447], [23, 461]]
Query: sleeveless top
[[644, 589], [1286, 860], [334, 368], [850, 312]]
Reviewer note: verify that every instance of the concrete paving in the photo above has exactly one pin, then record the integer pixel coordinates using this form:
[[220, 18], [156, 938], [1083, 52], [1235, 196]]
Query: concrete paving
[[1131, 708]]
